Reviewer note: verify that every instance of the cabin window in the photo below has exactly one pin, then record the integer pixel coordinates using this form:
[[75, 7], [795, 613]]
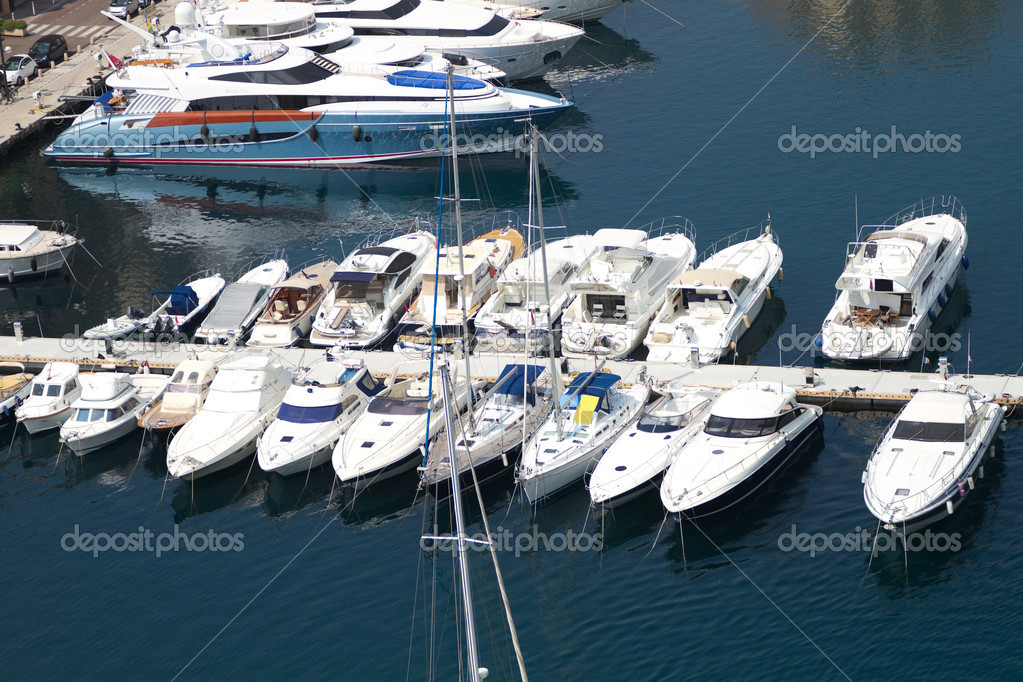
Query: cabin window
[[906, 306], [317, 414], [368, 385], [729, 427], [397, 406], [38, 389], [52, 391], [930, 432], [788, 417], [884, 285]]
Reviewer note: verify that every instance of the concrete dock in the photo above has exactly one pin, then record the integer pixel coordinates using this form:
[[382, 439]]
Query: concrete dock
[[837, 388]]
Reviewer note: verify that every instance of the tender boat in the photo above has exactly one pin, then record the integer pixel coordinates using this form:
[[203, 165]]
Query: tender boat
[[291, 308], [388, 438], [318, 408], [28, 251], [506, 418], [288, 107], [711, 307], [924, 465], [243, 398], [620, 289], [14, 389], [896, 281], [484, 259], [370, 289], [636, 461], [184, 396], [594, 411], [753, 430], [109, 408], [526, 49], [516, 317], [49, 402], [241, 303]]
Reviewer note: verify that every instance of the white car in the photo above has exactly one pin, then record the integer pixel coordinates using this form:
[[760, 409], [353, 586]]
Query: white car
[[19, 69]]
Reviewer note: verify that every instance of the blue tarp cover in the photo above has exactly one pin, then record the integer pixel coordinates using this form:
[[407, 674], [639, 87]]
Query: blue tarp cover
[[521, 376], [411, 78], [597, 387]]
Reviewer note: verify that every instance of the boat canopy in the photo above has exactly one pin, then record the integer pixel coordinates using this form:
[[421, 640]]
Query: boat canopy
[[435, 80], [938, 407], [234, 305], [521, 377], [183, 299], [19, 237], [591, 398]]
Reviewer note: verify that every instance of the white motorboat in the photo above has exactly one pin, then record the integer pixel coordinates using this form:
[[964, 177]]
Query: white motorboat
[[753, 430], [515, 317], [15, 387], [49, 402], [318, 408], [593, 412], [895, 282], [291, 308], [522, 49], [484, 258], [925, 463], [184, 396], [243, 398], [28, 251], [636, 461], [241, 303], [109, 408], [572, 11], [506, 418], [620, 289], [370, 289], [388, 438], [711, 307]]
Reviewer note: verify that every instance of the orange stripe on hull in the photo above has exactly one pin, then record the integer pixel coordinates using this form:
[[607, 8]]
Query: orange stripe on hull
[[197, 118]]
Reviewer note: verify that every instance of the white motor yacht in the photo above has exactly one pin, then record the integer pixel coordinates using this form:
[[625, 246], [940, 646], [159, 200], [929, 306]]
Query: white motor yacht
[[711, 307], [505, 419], [522, 49], [28, 251], [636, 461], [243, 398], [620, 289], [49, 402], [516, 317], [594, 411], [371, 289], [895, 282], [318, 408], [109, 408], [753, 430], [292, 305], [241, 303], [390, 436], [925, 463], [184, 396]]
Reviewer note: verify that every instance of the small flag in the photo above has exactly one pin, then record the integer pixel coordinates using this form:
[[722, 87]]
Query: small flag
[[927, 360], [532, 317], [114, 61]]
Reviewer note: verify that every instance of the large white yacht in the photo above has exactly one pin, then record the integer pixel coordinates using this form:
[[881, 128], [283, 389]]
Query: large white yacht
[[522, 49], [753, 430], [573, 11], [711, 307], [925, 463], [371, 289], [620, 289], [594, 410], [895, 282]]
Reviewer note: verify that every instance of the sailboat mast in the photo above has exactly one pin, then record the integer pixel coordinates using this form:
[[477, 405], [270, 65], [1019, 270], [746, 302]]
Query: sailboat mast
[[534, 170], [458, 231], [456, 500]]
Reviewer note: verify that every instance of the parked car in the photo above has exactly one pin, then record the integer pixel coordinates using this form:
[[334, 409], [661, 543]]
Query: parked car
[[124, 8], [19, 69], [48, 50]]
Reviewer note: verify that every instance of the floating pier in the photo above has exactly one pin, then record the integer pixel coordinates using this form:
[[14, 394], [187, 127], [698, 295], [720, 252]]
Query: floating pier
[[831, 387]]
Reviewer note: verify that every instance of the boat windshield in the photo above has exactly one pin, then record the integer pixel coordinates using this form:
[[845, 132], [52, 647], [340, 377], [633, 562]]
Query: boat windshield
[[731, 427], [930, 432], [398, 406], [662, 423], [94, 415], [317, 414]]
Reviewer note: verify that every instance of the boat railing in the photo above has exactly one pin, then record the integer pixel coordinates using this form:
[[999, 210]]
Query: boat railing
[[738, 237], [938, 204], [59, 226], [854, 252], [252, 263], [674, 224]]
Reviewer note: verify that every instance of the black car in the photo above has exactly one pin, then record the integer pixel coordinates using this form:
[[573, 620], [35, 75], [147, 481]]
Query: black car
[[48, 49]]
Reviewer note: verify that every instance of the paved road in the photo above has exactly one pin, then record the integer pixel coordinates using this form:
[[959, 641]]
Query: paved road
[[77, 20]]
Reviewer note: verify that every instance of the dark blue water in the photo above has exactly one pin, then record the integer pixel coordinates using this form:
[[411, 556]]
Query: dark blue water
[[690, 122]]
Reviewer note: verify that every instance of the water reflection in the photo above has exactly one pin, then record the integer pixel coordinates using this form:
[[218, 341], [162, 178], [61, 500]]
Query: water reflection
[[602, 55], [241, 486]]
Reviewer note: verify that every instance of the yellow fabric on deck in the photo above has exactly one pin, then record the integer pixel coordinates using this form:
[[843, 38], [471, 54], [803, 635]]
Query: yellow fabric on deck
[[587, 406]]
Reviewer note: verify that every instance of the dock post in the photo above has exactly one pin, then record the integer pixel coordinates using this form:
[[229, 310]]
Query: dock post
[[19, 335]]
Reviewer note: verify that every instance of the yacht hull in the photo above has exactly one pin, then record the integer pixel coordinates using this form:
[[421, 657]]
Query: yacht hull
[[85, 444], [47, 422]]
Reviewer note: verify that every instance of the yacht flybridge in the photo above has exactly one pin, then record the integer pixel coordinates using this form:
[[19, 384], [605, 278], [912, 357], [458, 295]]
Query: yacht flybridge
[[896, 281], [289, 107], [522, 49]]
